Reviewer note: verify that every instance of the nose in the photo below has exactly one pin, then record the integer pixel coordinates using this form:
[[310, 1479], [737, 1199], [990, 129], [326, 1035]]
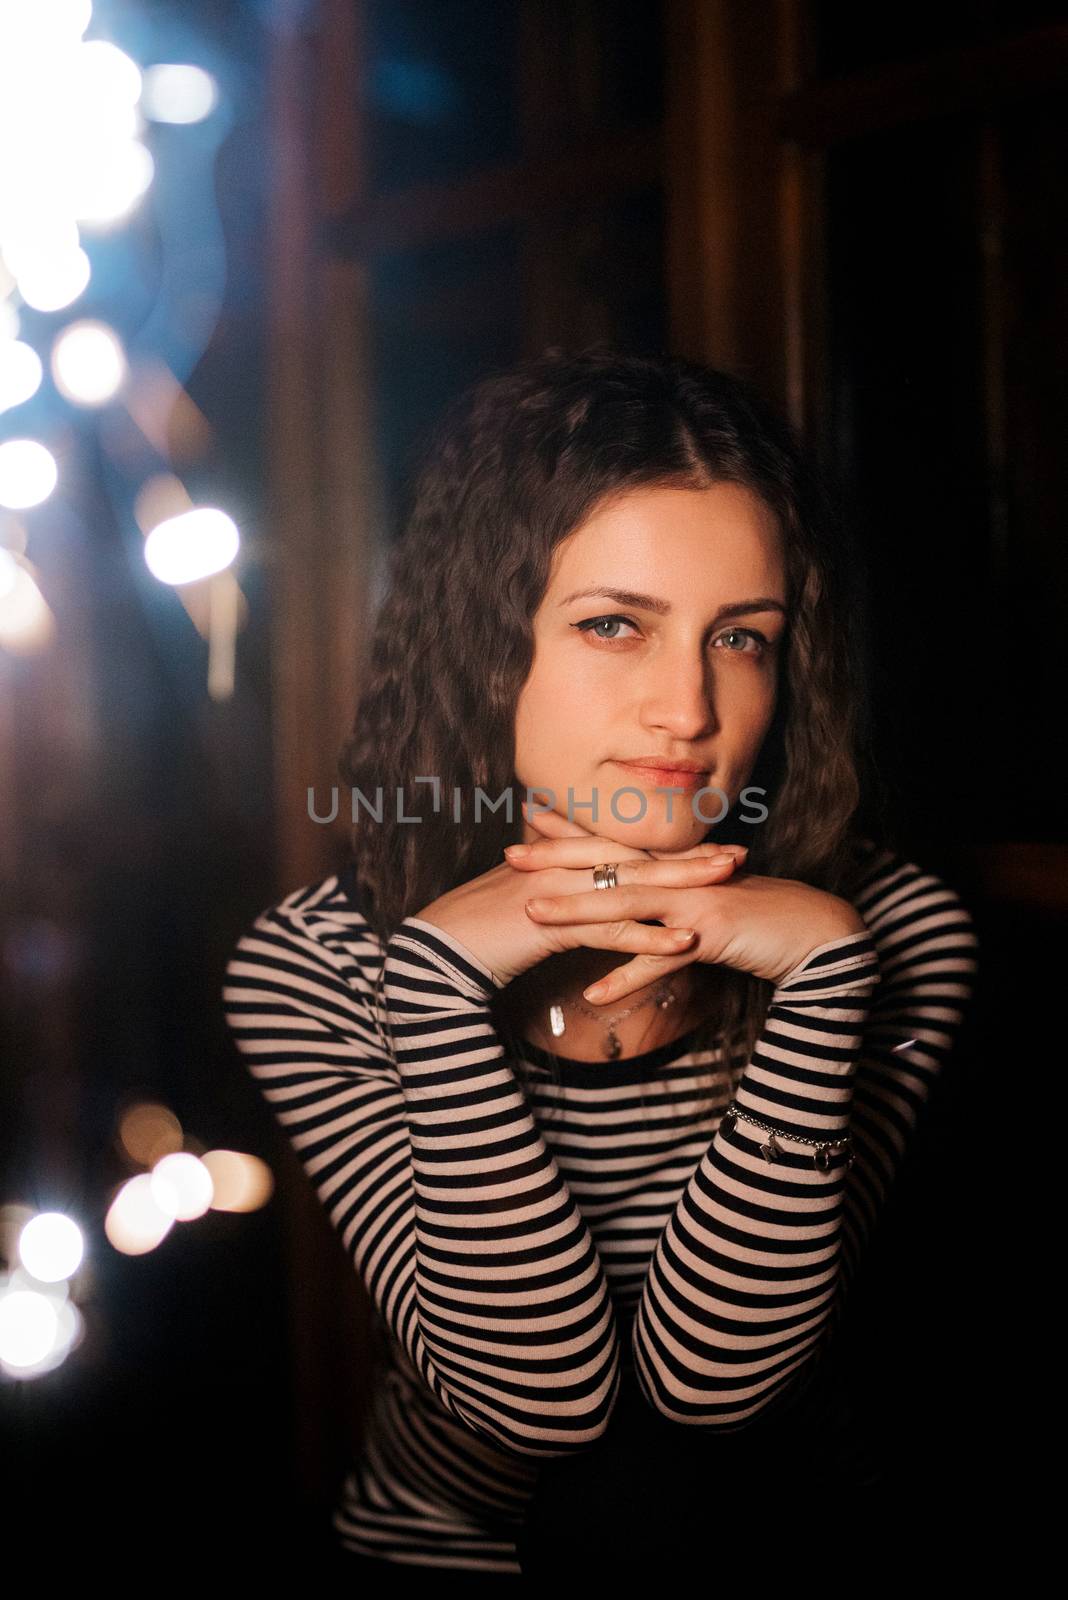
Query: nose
[[678, 696]]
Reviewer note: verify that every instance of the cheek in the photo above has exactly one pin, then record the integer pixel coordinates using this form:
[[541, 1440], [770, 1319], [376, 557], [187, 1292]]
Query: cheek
[[560, 691], [748, 697], [540, 723], [747, 710], [556, 726]]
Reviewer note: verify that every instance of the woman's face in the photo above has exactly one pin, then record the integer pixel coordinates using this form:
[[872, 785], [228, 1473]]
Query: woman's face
[[681, 664]]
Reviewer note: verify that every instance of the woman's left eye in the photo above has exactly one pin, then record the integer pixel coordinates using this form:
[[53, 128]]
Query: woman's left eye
[[746, 633]]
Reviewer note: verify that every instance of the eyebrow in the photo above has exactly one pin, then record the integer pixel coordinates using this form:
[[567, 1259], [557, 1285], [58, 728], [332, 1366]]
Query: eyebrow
[[651, 602]]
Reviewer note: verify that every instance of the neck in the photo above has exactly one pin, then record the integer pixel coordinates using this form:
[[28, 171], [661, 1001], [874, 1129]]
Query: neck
[[561, 978]]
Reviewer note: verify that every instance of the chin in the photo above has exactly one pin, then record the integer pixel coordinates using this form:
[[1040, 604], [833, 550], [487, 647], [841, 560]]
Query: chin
[[649, 834]]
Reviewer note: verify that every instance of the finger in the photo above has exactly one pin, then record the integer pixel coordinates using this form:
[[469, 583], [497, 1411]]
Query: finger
[[628, 979], [653, 942], [707, 848], [570, 851], [563, 886], [674, 872], [638, 901]]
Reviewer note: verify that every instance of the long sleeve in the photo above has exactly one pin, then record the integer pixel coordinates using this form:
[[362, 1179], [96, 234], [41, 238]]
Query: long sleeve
[[742, 1278], [422, 1149], [928, 957], [749, 1271]]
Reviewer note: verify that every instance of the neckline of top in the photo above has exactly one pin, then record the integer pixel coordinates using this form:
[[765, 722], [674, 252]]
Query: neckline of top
[[620, 1071]]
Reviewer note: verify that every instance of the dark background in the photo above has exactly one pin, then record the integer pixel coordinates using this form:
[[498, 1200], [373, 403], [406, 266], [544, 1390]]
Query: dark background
[[860, 209]]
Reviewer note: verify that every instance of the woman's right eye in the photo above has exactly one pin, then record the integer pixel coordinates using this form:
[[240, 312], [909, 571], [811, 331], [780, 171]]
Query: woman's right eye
[[595, 622]]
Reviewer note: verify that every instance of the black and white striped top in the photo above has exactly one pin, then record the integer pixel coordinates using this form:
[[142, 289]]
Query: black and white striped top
[[523, 1245]]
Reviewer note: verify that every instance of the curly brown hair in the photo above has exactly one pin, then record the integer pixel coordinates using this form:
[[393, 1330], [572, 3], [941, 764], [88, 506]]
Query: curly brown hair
[[515, 465]]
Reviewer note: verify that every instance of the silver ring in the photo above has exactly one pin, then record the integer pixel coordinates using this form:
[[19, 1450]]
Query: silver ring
[[605, 877]]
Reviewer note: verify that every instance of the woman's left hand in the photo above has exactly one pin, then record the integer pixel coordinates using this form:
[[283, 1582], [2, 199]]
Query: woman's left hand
[[765, 926]]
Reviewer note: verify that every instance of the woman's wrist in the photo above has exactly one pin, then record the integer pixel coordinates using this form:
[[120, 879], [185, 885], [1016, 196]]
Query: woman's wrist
[[464, 971], [844, 923], [842, 920]]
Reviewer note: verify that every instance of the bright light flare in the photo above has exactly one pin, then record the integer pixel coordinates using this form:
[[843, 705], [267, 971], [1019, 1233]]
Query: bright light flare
[[149, 1131], [32, 235], [29, 1326], [181, 1186], [9, 573], [70, 149], [20, 373], [51, 1247], [28, 473], [108, 74], [135, 1222], [88, 363], [242, 1182], [174, 93], [27, 622], [30, 23], [192, 545], [38, 1327], [106, 185]]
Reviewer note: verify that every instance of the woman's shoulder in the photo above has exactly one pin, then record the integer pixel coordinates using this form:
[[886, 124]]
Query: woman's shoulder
[[896, 894], [321, 923]]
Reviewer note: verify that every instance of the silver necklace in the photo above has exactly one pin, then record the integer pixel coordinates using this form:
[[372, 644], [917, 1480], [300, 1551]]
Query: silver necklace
[[663, 998]]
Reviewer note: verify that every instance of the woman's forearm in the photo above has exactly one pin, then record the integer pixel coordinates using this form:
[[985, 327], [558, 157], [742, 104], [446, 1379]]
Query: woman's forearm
[[743, 1276], [514, 1308], [430, 1170]]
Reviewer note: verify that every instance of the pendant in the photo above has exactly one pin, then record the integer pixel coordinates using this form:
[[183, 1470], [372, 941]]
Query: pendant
[[556, 1020], [771, 1150], [612, 1046]]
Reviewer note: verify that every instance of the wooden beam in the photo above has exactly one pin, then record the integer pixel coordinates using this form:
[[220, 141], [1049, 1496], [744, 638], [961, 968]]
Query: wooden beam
[[426, 213], [803, 242], [701, 181], [952, 81], [293, 504], [323, 527], [743, 206], [353, 514]]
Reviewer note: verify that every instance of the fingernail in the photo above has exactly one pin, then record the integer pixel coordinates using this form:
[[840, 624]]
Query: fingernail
[[595, 991], [721, 861], [682, 935], [517, 849]]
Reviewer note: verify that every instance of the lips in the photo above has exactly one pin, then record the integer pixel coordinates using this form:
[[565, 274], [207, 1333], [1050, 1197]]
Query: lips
[[677, 777]]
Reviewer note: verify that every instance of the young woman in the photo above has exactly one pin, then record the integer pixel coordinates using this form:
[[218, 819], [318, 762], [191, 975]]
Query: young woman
[[605, 1122]]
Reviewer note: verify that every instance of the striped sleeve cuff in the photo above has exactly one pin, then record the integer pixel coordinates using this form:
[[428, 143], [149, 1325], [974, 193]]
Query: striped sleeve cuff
[[429, 970], [849, 965]]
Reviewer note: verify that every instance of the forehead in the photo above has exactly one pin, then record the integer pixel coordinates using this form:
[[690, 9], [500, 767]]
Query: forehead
[[677, 537]]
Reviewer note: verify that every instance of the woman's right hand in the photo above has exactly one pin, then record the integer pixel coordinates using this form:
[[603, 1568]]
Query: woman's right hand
[[487, 914]]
